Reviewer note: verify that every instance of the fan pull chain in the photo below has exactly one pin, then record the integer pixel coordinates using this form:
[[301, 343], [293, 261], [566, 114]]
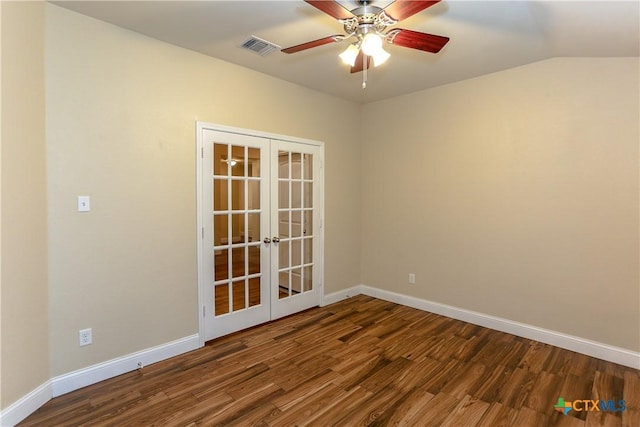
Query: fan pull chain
[[364, 71]]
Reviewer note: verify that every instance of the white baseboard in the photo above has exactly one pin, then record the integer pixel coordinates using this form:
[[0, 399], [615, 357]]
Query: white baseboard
[[26, 405], [580, 345], [341, 295], [83, 377], [62, 384]]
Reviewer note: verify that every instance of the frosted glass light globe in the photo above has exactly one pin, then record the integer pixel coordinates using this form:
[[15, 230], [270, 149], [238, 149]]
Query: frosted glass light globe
[[371, 44]]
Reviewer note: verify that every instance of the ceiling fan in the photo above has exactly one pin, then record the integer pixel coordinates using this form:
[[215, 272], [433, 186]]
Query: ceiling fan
[[368, 23]]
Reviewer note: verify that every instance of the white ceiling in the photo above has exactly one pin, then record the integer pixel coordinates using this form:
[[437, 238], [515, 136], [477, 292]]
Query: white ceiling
[[486, 36]]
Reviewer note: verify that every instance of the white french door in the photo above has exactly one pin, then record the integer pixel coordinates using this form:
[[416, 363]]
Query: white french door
[[260, 256], [235, 215], [296, 251]]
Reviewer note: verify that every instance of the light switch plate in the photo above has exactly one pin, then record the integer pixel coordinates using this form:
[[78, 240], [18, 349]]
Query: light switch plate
[[84, 203]]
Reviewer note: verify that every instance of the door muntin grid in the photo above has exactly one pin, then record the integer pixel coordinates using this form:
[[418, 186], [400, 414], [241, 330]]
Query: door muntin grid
[[295, 223], [236, 228]]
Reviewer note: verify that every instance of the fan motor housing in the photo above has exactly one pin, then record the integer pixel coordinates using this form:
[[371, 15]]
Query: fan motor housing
[[366, 14], [367, 18]]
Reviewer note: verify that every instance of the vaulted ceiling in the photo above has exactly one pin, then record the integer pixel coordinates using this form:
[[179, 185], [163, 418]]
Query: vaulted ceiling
[[486, 36]]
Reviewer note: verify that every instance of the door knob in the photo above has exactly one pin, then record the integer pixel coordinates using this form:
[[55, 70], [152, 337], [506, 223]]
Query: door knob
[[267, 240], [275, 240]]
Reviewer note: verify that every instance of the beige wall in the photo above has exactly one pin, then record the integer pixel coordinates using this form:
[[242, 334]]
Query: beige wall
[[121, 112], [514, 194], [24, 307]]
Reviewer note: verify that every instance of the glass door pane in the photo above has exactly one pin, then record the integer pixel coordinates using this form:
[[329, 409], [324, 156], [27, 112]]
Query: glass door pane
[[292, 179], [236, 233]]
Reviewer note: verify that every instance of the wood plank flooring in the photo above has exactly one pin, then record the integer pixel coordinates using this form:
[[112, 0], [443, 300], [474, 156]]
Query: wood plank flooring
[[362, 361]]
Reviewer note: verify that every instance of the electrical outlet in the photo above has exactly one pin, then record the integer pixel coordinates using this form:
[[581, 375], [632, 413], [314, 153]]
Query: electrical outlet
[[84, 337], [412, 279]]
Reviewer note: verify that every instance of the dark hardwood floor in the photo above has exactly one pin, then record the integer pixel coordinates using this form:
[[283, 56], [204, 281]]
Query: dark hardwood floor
[[362, 361]]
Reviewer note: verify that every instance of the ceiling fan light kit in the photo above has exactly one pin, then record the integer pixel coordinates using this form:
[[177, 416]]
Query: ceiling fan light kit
[[368, 24]]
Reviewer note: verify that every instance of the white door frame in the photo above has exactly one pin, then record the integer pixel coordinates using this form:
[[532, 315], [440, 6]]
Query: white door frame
[[200, 128]]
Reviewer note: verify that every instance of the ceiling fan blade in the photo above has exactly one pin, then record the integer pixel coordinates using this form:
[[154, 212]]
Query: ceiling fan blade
[[331, 8], [416, 40], [360, 63], [314, 43], [402, 9]]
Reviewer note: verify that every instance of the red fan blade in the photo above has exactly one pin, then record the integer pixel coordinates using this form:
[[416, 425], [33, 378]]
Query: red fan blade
[[402, 9], [417, 40], [360, 62], [309, 45], [331, 8]]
